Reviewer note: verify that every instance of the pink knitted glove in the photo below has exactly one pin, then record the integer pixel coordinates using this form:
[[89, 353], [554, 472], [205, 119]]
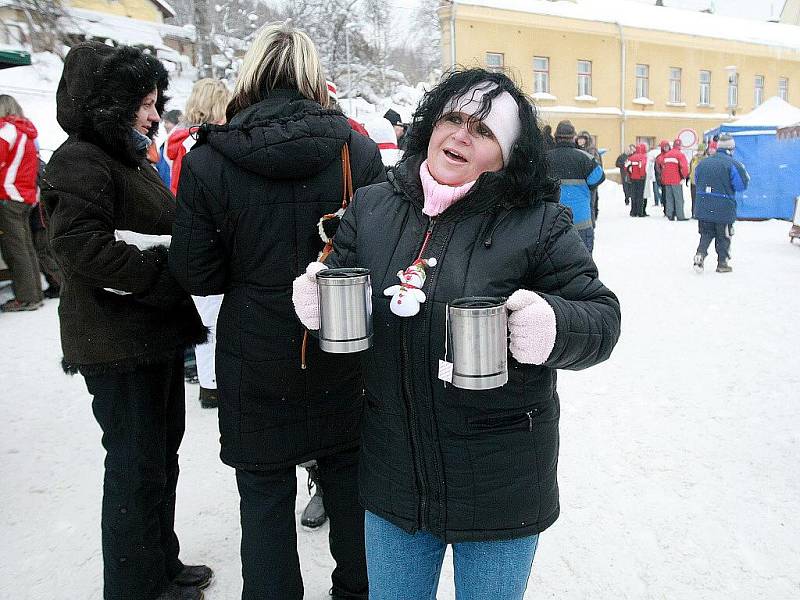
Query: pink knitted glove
[[531, 326], [304, 296]]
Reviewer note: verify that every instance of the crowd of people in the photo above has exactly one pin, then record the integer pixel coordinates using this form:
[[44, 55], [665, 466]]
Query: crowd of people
[[213, 240], [713, 177]]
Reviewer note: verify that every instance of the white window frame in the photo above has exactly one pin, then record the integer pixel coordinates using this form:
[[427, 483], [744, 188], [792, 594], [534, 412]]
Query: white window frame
[[642, 81], [733, 90], [705, 88], [491, 64], [584, 78], [675, 92], [541, 77], [647, 140], [758, 90], [783, 88]]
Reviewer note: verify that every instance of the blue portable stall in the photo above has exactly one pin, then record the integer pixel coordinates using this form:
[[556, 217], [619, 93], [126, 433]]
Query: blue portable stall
[[773, 164]]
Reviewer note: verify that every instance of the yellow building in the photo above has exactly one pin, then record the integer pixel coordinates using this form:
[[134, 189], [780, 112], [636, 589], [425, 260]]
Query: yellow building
[[627, 71], [132, 22], [154, 11]]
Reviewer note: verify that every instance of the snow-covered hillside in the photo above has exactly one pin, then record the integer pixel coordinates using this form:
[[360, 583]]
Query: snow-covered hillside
[[678, 468]]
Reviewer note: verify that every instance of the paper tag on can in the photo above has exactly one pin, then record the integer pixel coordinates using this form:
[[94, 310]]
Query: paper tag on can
[[446, 371], [708, 189]]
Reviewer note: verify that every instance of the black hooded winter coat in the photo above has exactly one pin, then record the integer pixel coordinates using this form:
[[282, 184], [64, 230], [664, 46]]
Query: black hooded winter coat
[[95, 183], [250, 197], [468, 465]]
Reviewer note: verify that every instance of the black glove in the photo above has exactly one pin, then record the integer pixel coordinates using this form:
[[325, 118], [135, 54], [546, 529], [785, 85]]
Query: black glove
[[165, 292]]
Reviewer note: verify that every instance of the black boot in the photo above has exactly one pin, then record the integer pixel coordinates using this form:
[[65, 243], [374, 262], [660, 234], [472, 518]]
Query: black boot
[[53, 291], [208, 398], [723, 267], [176, 592], [314, 514], [198, 576]]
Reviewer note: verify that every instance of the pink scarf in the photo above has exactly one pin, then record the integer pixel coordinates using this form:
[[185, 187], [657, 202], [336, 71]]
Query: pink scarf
[[438, 197]]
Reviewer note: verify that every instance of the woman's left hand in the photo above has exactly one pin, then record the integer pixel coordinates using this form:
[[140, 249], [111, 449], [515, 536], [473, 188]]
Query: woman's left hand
[[531, 327]]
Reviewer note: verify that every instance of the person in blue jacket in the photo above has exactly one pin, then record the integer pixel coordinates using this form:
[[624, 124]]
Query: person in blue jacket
[[718, 178], [579, 173]]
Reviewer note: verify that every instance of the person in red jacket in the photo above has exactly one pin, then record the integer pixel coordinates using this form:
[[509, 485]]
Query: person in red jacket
[[19, 193], [636, 166], [333, 96], [206, 104], [674, 169]]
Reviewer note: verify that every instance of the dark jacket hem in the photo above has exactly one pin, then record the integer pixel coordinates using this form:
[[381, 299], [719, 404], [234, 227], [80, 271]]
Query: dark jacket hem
[[124, 365], [470, 535], [247, 466]]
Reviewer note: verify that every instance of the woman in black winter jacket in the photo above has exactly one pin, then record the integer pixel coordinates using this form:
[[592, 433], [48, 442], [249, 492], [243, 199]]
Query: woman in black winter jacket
[[250, 199], [124, 319], [441, 465]]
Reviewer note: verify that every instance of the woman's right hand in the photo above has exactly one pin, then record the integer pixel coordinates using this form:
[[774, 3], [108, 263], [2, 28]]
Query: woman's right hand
[[304, 296]]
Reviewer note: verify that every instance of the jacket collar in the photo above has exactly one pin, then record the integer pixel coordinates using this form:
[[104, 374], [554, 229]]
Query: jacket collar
[[484, 196]]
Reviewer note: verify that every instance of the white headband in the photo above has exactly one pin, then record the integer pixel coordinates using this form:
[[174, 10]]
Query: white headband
[[502, 119]]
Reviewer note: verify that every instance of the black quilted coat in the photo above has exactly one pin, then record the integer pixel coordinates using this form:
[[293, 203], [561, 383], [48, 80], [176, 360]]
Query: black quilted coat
[[250, 196], [468, 465]]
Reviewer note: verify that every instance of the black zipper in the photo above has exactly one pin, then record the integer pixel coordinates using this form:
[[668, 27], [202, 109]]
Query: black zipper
[[427, 315], [412, 415], [510, 421]]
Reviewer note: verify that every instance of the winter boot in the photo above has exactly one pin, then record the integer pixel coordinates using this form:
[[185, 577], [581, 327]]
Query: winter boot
[[190, 366], [176, 592], [15, 305], [53, 291], [724, 267], [198, 576], [208, 398], [314, 514], [698, 262]]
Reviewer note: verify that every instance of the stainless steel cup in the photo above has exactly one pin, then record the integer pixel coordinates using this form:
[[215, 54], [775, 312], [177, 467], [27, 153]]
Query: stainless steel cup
[[345, 310], [478, 341]]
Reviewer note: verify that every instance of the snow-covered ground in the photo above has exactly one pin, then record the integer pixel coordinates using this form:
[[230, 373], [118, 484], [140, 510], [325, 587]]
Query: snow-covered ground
[[678, 469]]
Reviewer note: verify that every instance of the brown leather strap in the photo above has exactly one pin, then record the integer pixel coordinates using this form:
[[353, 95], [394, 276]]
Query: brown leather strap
[[347, 196], [347, 177]]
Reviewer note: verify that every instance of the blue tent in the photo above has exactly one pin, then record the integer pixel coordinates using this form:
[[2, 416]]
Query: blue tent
[[773, 164]]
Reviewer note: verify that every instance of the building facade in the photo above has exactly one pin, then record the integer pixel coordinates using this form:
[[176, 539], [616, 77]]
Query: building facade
[[133, 22], [645, 76]]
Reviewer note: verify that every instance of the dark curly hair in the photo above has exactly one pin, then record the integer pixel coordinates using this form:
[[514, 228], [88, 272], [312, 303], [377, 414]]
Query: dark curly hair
[[524, 177]]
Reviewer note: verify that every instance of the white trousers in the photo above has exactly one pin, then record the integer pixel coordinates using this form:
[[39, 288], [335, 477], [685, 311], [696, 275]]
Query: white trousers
[[208, 309]]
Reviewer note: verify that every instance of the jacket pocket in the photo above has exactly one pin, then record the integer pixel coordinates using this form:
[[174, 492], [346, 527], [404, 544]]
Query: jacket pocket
[[521, 419]]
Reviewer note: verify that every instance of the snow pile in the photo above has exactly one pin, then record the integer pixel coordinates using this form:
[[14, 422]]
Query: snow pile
[[774, 112], [678, 467]]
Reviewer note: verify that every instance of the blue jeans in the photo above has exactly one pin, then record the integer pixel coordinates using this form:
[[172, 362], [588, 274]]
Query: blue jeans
[[404, 566], [587, 235]]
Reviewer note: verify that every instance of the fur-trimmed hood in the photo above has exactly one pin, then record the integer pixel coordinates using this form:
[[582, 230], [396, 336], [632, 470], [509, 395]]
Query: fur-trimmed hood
[[100, 90]]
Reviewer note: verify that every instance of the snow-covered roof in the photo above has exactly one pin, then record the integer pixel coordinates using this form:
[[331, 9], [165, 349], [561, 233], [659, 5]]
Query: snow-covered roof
[[123, 29], [659, 18], [165, 8], [772, 113]]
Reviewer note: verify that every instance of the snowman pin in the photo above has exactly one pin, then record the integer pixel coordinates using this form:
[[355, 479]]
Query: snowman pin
[[407, 297]]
